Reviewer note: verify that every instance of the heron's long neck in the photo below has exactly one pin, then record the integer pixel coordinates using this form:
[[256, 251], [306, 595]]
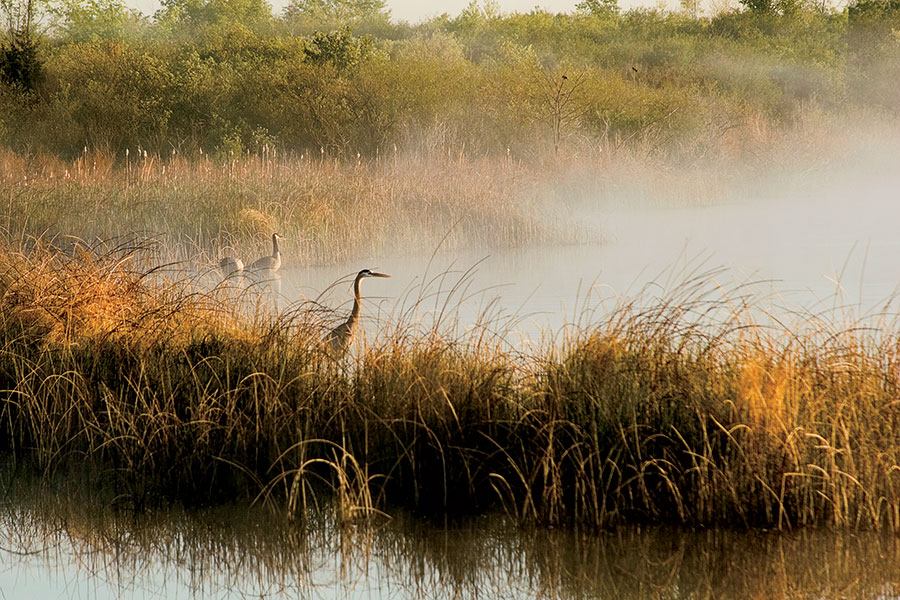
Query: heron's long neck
[[275, 246], [354, 314]]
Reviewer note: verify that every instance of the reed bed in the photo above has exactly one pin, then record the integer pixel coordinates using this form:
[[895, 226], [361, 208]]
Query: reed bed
[[329, 209], [690, 408], [332, 208]]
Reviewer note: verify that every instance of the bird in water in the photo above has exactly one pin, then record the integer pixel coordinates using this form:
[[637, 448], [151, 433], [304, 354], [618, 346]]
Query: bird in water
[[271, 262], [340, 337], [230, 266]]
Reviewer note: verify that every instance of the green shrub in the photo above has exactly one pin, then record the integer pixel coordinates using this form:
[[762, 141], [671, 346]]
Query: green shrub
[[21, 66]]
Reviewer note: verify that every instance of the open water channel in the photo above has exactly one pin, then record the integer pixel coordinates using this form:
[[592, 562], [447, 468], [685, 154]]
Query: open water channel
[[58, 548]]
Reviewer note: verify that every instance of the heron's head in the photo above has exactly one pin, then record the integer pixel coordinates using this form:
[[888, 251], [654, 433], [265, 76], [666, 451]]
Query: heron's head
[[368, 273], [277, 236]]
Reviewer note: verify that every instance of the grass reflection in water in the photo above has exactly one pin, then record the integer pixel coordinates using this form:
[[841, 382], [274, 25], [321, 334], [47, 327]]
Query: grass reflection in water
[[59, 542]]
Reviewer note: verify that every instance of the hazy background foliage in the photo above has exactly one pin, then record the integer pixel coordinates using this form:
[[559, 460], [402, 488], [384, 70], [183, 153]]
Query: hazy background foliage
[[229, 76]]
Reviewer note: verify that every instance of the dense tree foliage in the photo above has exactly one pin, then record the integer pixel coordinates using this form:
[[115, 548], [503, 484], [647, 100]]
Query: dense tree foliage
[[335, 13], [230, 76], [192, 13], [20, 67], [84, 20]]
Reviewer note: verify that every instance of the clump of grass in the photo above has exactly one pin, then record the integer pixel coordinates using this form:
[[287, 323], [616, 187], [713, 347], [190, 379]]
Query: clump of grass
[[727, 421], [105, 362], [677, 409]]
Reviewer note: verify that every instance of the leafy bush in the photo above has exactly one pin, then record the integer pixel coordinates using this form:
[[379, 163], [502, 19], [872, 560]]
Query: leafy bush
[[874, 51], [226, 76], [114, 95]]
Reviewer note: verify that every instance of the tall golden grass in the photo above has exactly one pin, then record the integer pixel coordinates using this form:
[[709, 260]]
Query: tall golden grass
[[333, 209], [329, 209], [680, 409]]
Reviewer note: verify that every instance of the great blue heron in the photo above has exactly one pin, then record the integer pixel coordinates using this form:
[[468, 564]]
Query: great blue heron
[[340, 337], [271, 262], [231, 265]]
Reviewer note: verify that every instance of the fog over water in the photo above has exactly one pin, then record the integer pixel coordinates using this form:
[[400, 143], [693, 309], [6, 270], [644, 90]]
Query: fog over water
[[802, 247], [824, 243], [823, 246]]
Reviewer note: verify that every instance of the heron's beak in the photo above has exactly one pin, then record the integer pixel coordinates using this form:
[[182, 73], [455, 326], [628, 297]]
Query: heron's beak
[[378, 275]]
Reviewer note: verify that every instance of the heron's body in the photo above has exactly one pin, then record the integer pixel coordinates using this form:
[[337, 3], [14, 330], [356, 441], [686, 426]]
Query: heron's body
[[271, 262], [231, 265], [340, 337]]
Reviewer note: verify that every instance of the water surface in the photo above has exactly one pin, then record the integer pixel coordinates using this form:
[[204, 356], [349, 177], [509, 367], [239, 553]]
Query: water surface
[[807, 254], [824, 254], [54, 548]]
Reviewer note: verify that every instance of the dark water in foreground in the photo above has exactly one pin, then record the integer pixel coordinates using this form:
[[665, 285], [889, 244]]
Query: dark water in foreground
[[55, 547]]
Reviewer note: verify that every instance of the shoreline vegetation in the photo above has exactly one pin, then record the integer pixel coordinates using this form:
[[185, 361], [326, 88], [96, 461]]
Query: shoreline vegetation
[[197, 210], [332, 210], [204, 131], [216, 123], [676, 409], [229, 79]]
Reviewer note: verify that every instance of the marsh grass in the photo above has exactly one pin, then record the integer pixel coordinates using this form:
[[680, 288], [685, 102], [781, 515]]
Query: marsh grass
[[335, 208], [329, 209], [681, 406]]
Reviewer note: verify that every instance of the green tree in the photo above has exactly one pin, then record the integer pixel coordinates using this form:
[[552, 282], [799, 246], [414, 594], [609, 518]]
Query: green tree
[[251, 13], [339, 48], [336, 11], [21, 15], [773, 7], [598, 7], [20, 64], [83, 20], [112, 94], [691, 7], [873, 61], [486, 11]]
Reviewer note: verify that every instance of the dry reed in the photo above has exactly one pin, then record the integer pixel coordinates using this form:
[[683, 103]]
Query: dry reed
[[679, 409], [329, 209]]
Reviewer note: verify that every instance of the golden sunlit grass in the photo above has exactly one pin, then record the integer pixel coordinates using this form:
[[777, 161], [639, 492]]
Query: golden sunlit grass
[[333, 209], [680, 409], [328, 209]]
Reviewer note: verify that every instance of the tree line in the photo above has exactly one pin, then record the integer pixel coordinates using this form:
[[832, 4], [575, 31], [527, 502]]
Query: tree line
[[341, 76]]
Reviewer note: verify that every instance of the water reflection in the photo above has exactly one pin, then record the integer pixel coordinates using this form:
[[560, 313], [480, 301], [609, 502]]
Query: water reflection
[[58, 544]]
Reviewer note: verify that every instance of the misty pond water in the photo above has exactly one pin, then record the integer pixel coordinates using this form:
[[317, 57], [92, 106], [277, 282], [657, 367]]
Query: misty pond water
[[835, 255], [808, 254]]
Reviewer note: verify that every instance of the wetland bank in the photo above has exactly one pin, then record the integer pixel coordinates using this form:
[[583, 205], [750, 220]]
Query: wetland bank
[[641, 408]]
